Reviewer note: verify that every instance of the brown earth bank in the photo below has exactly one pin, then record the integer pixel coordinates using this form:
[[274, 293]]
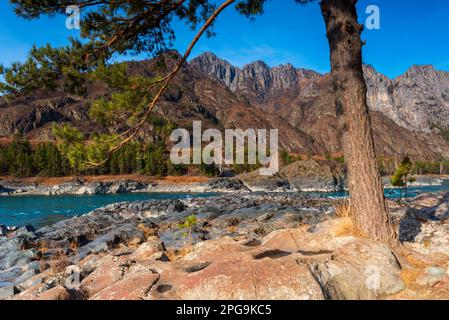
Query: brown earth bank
[[52, 181], [254, 246]]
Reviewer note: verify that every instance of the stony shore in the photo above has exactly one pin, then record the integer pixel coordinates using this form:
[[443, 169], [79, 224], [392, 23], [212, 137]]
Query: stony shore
[[308, 175], [223, 185], [243, 246], [245, 183], [82, 187]]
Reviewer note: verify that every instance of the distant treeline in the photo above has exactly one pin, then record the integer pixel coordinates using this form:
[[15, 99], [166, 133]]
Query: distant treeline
[[388, 166], [21, 159]]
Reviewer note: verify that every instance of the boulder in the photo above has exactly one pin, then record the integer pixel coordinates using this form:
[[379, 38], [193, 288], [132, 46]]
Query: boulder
[[40, 292], [254, 181], [3, 230], [108, 272], [226, 185], [27, 231], [345, 267], [236, 279], [148, 249], [133, 287], [359, 270], [311, 175], [432, 276], [56, 293]]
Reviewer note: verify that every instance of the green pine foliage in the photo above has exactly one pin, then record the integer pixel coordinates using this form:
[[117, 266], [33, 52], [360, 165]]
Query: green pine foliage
[[50, 69], [21, 160], [287, 158], [129, 99], [107, 28], [188, 225], [403, 175]]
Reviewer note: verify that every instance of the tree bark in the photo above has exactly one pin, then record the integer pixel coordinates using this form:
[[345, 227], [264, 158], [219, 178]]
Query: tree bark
[[364, 180]]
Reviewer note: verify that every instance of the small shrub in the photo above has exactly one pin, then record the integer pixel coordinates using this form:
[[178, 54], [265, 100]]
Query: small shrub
[[402, 176], [188, 225]]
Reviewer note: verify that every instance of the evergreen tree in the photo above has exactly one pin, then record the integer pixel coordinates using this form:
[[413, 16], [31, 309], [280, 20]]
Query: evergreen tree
[[402, 176], [40, 160], [156, 160], [71, 145], [49, 69], [18, 155], [145, 26]]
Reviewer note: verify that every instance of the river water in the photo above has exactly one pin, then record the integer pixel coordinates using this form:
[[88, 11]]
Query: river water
[[39, 211]]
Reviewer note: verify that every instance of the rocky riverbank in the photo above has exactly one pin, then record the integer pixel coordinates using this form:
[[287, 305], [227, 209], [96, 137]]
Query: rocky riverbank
[[83, 187], [246, 246], [305, 176], [422, 181], [308, 175], [244, 183]]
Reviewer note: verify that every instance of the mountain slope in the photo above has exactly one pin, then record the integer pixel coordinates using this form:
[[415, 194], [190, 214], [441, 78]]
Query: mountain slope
[[404, 111], [298, 102]]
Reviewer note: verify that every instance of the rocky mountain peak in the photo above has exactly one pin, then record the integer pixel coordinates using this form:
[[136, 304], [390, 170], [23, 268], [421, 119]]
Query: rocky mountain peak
[[218, 69], [420, 69], [257, 80]]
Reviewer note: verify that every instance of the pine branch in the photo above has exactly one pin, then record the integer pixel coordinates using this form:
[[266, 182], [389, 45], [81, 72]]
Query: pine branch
[[132, 132]]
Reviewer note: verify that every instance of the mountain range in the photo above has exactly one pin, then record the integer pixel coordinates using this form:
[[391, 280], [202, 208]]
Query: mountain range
[[409, 114]]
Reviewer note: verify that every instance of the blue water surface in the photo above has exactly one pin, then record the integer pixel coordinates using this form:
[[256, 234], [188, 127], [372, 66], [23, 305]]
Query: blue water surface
[[391, 193], [40, 211]]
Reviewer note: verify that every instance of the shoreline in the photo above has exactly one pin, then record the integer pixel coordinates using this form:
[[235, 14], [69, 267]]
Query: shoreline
[[141, 184], [96, 185]]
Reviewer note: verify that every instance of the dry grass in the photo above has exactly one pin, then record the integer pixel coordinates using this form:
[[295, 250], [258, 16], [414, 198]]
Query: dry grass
[[345, 225], [59, 266], [415, 262], [344, 210], [56, 264], [416, 268], [176, 254], [147, 231]]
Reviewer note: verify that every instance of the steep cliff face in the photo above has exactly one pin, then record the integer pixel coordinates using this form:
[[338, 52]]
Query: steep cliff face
[[417, 100], [405, 111], [257, 81]]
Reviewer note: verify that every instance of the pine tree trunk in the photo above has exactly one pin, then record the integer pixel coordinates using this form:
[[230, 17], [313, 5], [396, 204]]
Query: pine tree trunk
[[364, 180]]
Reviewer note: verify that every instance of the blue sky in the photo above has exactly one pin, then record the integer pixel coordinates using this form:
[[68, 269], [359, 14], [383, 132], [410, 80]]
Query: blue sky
[[412, 32]]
